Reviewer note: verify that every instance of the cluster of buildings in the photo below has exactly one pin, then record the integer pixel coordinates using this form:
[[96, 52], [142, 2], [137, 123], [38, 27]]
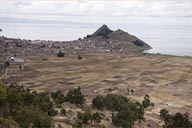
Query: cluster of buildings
[[23, 47]]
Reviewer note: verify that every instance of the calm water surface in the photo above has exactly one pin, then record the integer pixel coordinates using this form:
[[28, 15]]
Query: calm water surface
[[166, 39]]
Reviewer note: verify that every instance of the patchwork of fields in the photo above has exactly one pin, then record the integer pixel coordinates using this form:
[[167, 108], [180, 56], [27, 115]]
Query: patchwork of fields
[[166, 79]]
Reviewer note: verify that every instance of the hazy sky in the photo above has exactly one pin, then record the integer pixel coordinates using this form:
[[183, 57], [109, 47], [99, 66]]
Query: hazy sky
[[99, 11]]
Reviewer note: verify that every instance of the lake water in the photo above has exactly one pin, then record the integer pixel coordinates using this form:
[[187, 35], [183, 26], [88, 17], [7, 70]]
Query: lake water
[[166, 39]]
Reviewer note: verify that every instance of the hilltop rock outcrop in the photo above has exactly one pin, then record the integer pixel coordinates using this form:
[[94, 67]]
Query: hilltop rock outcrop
[[102, 31]]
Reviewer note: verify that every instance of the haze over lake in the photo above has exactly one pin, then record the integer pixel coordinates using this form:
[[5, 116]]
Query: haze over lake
[[167, 39]]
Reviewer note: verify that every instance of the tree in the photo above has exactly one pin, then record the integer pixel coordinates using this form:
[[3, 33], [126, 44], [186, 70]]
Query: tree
[[96, 117], [114, 101], [63, 111], [8, 123], [146, 102], [80, 57], [124, 118], [75, 96], [25, 108], [127, 112], [58, 97], [164, 113], [84, 117], [139, 113], [60, 54], [98, 102], [179, 120]]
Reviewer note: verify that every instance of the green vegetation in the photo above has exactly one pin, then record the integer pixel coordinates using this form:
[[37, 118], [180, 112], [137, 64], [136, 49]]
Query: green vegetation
[[146, 102], [75, 96], [127, 112], [58, 97], [80, 57], [110, 101], [164, 113], [96, 117], [8, 123], [25, 108], [175, 121], [98, 102], [60, 54], [20, 108], [63, 112], [86, 118]]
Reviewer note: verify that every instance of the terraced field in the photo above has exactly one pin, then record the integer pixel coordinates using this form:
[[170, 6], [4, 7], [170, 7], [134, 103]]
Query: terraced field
[[166, 79]]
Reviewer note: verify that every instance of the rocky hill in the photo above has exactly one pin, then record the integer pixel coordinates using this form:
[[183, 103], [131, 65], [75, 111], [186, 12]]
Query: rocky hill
[[117, 40]]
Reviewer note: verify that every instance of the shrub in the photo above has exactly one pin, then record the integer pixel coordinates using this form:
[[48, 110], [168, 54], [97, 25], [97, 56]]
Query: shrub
[[96, 117], [175, 121], [146, 102], [80, 57], [98, 102], [60, 54], [164, 113], [63, 111], [124, 118], [58, 97], [8, 123], [75, 96], [25, 108], [127, 112], [110, 102], [84, 117]]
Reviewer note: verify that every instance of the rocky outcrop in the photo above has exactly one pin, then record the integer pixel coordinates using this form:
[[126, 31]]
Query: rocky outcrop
[[102, 31]]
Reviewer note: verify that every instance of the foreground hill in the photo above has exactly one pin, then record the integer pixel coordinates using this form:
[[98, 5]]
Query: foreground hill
[[166, 79]]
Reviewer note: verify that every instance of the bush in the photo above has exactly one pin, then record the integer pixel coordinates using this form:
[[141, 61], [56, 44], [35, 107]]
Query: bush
[[80, 57], [98, 102], [25, 108], [75, 96], [96, 117], [177, 121], [8, 123], [86, 118], [110, 102], [60, 54], [164, 113], [127, 111], [124, 118], [146, 102], [58, 97], [63, 112]]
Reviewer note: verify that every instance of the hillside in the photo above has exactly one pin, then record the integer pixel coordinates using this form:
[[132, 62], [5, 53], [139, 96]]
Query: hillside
[[117, 40]]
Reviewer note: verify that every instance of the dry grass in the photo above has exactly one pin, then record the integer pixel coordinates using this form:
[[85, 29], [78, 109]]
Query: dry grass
[[166, 79]]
